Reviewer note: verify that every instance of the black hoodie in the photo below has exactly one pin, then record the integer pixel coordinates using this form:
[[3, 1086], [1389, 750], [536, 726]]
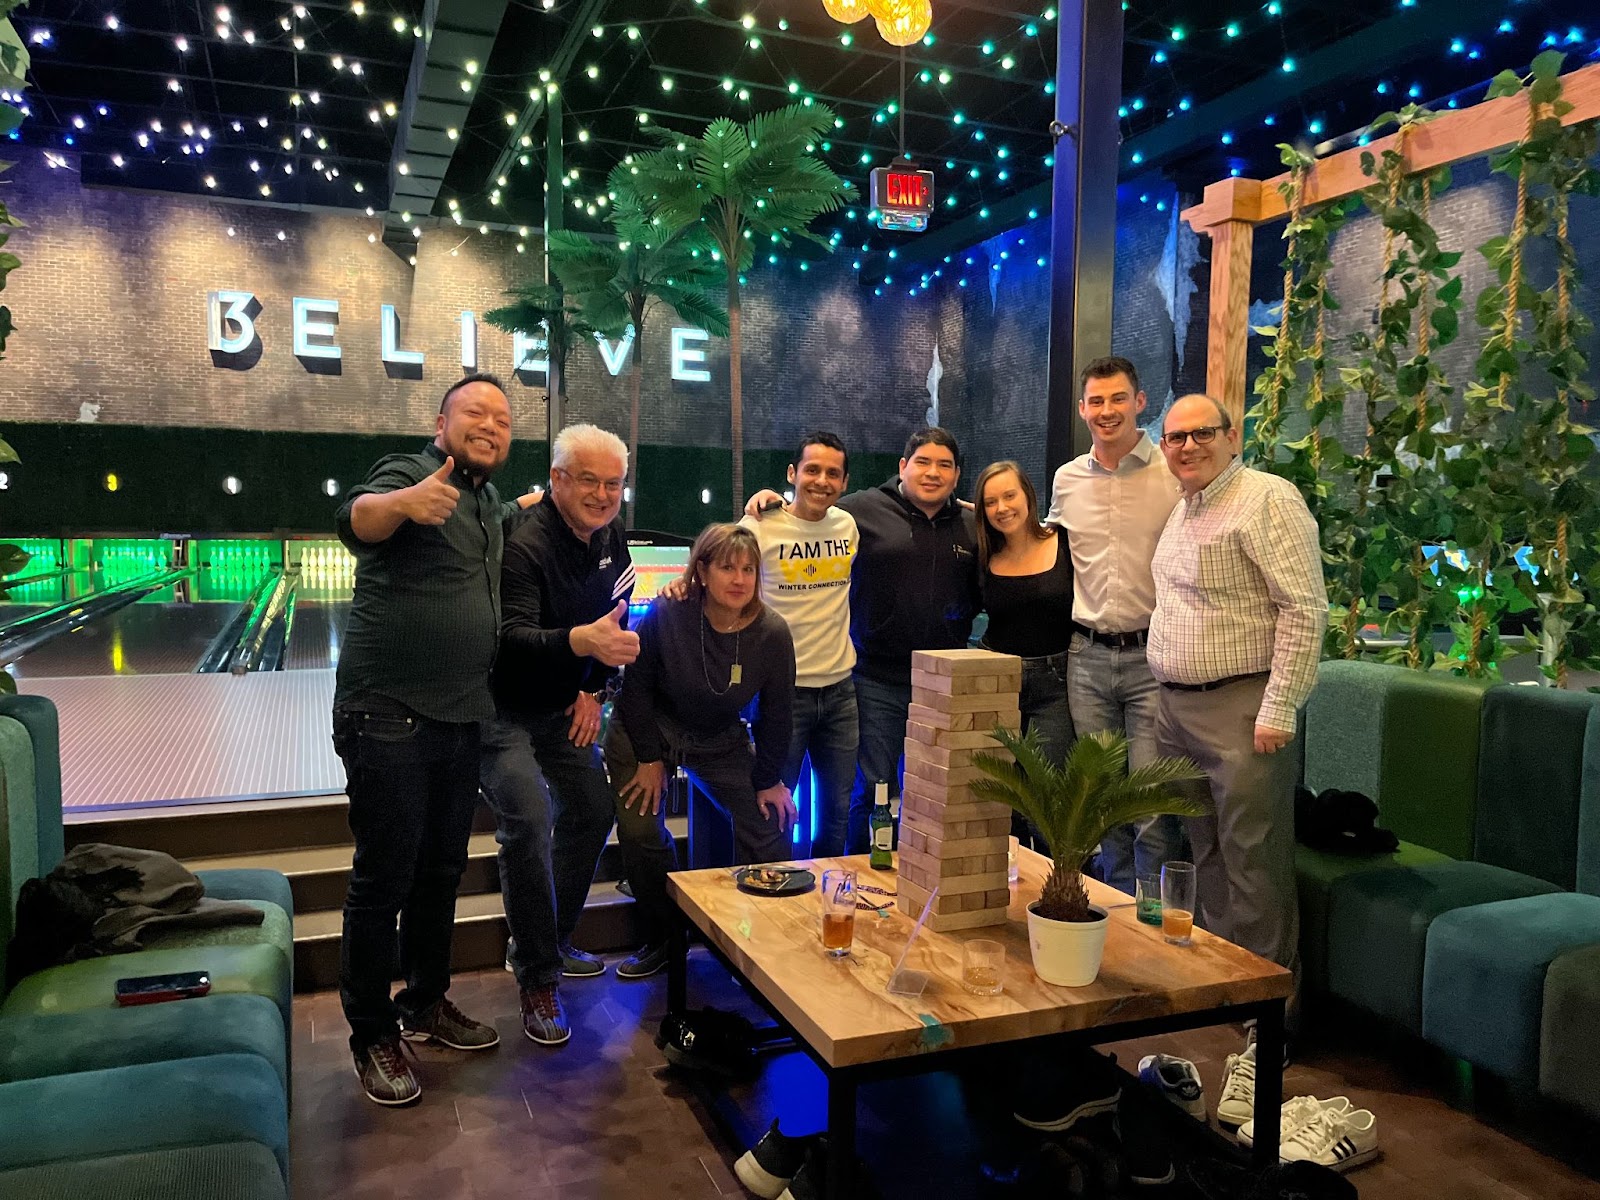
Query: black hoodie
[[914, 584]]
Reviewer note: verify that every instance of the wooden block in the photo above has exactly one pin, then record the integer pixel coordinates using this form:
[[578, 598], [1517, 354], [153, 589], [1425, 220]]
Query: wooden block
[[977, 919], [998, 896], [912, 896], [944, 776], [939, 702], [953, 756], [931, 735], [982, 848], [1005, 718], [963, 685], [927, 789], [956, 804], [965, 662], [924, 715]]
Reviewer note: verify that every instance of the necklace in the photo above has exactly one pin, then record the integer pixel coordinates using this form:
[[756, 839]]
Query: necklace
[[736, 674]]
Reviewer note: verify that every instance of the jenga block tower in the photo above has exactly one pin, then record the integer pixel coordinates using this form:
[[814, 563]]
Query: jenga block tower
[[950, 839]]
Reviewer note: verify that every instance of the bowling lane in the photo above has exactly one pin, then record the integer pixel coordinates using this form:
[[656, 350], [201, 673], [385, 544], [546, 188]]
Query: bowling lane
[[318, 630], [163, 635]]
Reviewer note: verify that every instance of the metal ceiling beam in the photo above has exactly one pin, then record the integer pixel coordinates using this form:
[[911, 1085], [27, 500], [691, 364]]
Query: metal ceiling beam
[[435, 103], [1390, 43]]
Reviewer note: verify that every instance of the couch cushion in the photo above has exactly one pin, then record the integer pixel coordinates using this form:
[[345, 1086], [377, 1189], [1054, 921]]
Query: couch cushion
[[241, 883], [1589, 810], [1531, 778], [1569, 1052], [37, 715], [19, 841], [1483, 986], [97, 1038], [257, 970], [1316, 873], [1378, 928], [1407, 739], [148, 1106], [226, 1171]]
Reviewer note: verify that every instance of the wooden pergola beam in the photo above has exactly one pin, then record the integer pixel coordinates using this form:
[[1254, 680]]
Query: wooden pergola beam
[[1232, 208]]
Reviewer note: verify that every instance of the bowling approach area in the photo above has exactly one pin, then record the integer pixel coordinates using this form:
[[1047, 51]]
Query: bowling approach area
[[133, 637]]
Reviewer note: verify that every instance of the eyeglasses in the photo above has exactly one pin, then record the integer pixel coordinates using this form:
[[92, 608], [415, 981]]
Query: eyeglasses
[[1203, 436], [592, 483]]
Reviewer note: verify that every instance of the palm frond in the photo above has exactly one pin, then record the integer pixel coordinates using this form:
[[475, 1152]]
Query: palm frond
[[696, 306]]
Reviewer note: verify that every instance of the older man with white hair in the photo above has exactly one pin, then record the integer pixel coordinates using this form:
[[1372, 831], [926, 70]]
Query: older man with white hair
[[564, 591]]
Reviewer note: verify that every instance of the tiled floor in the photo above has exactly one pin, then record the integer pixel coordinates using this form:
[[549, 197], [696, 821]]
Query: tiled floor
[[602, 1117]]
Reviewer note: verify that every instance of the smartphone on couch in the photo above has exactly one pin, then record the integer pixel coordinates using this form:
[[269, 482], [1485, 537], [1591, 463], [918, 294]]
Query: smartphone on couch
[[155, 989]]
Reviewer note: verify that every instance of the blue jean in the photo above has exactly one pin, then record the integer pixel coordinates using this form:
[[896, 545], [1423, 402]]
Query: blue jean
[[413, 784], [882, 708], [1043, 700], [826, 727], [553, 809], [1111, 688]]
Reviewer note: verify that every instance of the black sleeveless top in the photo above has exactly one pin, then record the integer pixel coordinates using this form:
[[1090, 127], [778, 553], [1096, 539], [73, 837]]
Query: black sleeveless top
[[1031, 615]]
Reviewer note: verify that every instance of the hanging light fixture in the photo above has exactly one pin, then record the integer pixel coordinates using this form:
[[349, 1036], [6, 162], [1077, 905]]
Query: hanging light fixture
[[906, 23], [847, 12]]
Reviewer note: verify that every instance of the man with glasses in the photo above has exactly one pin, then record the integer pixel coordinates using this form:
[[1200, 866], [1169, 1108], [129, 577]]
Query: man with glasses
[[1235, 638], [565, 588], [1113, 502]]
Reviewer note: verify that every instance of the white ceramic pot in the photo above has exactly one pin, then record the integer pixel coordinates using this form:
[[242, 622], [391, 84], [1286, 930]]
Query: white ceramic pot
[[1067, 952]]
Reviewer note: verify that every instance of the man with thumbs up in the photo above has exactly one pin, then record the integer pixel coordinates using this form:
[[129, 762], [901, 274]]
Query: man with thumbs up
[[565, 585], [413, 686]]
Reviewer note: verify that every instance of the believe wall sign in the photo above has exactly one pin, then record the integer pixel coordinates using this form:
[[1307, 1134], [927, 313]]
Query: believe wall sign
[[235, 342]]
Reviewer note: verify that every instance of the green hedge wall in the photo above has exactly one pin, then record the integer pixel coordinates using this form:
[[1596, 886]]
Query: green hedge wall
[[170, 480]]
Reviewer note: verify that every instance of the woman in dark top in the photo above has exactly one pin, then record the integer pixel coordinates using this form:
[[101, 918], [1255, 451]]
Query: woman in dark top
[[1025, 569], [702, 660]]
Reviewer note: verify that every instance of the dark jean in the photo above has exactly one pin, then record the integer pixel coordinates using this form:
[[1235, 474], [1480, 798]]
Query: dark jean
[[720, 767], [412, 783], [825, 728], [1044, 705], [883, 709], [553, 809]]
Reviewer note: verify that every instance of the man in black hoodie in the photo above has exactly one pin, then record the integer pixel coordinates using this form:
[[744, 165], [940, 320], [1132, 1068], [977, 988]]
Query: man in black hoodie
[[914, 586]]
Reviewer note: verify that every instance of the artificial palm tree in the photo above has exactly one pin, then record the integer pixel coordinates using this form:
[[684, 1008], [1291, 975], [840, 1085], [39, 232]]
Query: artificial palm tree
[[1075, 803], [737, 183], [617, 286], [544, 304]]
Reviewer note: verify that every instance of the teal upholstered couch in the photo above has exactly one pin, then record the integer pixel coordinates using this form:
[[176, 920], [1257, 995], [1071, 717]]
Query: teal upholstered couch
[[180, 1099], [1482, 932]]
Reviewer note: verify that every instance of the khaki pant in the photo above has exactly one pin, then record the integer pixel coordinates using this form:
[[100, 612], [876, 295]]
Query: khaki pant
[[1244, 849]]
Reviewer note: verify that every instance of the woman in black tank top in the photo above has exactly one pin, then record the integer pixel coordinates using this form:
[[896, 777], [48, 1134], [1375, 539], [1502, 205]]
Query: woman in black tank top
[[1026, 574]]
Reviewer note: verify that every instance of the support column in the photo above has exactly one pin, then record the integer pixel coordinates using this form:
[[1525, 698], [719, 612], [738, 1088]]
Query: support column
[[554, 214], [1083, 216], [1228, 329]]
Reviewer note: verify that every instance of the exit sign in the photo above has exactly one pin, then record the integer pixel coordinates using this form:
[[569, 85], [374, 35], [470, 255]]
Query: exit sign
[[903, 198]]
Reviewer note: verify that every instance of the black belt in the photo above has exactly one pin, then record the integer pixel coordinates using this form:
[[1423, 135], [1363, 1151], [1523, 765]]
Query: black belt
[[1118, 641], [1215, 683]]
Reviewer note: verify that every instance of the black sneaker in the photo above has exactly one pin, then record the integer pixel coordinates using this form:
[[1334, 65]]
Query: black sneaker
[[811, 1180], [768, 1166], [625, 888], [643, 964], [580, 964], [544, 1017], [386, 1075], [1092, 1087], [708, 1040], [449, 1026]]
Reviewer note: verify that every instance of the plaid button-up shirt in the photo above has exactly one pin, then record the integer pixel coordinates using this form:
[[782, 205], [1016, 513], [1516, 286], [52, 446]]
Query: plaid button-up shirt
[[1239, 591]]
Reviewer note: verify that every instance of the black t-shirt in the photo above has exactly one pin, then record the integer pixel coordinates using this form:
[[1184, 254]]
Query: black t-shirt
[[1031, 615]]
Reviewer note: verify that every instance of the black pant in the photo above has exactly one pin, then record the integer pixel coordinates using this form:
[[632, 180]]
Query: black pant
[[412, 783], [720, 767]]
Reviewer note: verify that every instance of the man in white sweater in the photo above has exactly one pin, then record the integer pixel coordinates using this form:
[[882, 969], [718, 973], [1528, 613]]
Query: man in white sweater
[[807, 548]]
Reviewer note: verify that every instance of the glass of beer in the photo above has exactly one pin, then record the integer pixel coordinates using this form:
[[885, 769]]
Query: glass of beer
[[982, 962], [1177, 902], [838, 911]]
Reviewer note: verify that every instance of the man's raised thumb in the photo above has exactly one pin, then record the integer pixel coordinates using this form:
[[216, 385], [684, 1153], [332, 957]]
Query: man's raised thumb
[[616, 614], [445, 471]]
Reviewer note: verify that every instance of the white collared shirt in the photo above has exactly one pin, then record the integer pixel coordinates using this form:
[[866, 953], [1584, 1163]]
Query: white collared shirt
[[1113, 520], [1239, 591]]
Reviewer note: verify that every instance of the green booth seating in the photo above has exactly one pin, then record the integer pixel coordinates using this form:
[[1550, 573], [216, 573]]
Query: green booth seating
[[225, 1171], [85, 1079], [1569, 1051], [222, 1098], [1530, 774], [1409, 741], [1484, 986]]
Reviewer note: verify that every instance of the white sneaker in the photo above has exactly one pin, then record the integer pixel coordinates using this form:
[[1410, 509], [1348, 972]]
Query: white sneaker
[[1294, 1114], [1336, 1140], [1238, 1102]]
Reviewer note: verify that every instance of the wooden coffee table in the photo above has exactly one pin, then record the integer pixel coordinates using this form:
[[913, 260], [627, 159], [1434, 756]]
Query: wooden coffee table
[[842, 1015]]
